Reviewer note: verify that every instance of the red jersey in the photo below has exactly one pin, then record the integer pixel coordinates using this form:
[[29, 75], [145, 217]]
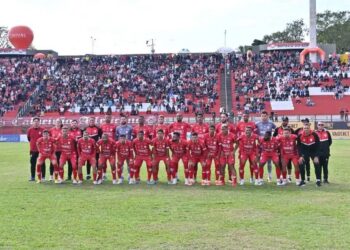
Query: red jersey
[[164, 127], [46, 147], [124, 150], [109, 129], [67, 145], [242, 125], [33, 134], [147, 131], [55, 133], [142, 148], [160, 147], [86, 147], [181, 127], [212, 144], [201, 129], [178, 149], [288, 145], [106, 149], [231, 128], [94, 132], [269, 147], [226, 143], [247, 145], [196, 149], [76, 134]]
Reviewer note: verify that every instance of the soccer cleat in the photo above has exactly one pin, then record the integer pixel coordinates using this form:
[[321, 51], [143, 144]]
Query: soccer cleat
[[251, 180], [279, 182], [120, 181], [104, 177], [174, 181], [99, 182], [95, 182], [80, 182], [219, 183], [241, 182], [31, 179], [297, 182], [325, 182], [269, 178], [302, 184], [208, 183], [114, 182], [137, 181], [203, 182], [187, 182], [193, 181], [318, 183], [170, 183], [257, 183], [51, 178], [131, 181], [68, 179], [308, 179], [289, 179], [38, 181], [88, 177], [58, 181], [75, 182], [229, 181]]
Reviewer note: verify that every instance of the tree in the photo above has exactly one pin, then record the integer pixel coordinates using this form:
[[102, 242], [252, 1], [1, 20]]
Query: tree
[[4, 41], [294, 32], [257, 42]]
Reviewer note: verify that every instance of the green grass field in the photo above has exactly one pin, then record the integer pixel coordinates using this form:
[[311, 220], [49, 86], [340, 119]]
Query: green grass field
[[171, 217]]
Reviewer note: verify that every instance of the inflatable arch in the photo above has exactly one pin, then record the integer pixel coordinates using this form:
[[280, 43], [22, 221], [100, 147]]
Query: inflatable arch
[[311, 50]]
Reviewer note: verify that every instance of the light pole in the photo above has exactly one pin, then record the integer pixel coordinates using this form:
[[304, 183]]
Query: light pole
[[151, 44], [93, 40]]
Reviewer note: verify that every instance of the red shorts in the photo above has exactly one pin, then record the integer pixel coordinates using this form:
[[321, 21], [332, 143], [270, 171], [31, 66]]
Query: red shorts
[[176, 159], [244, 157], [227, 159], [157, 159], [265, 157], [42, 158], [121, 160], [71, 157], [195, 160], [84, 158], [138, 161], [210, 159], [294, 158], [103, 160]]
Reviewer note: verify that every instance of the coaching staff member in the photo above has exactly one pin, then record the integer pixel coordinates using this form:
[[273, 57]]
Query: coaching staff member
[[324, 149]]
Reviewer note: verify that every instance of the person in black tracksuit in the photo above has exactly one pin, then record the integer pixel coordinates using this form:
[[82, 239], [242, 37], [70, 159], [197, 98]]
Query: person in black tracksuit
[[324, 149], [308, 144]]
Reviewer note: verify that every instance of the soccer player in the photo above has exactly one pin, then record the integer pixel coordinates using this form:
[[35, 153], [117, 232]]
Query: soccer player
[[161, 125], [247, 151], [68, 153], [147, 131], [269, 151], [212, 143], [201, 128], [299, 131], [227, 143], [324, 149], [87, 152], [263, 126], [33, 134], [55, 133], [124, 129], [124, 152], [241, 125], [288, 150], [94, 132], [179, 152], [181, 127], [196, 151], [106, 149], [225, 121], [141, 147], [75, 133], [108, 128], [279, 132], [161, 153], [308, 144], [46, 147]]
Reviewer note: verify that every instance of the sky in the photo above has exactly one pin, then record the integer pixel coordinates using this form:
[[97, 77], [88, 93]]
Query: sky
[[78, 27]]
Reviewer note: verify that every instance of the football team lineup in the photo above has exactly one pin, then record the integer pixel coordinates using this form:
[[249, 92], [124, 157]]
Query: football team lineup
[[214, 150]]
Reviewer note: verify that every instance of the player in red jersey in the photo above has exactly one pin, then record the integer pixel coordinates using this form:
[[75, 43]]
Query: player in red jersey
[[141, 147], [161, 125], [33, 134], [94, 132], [46, 147], [201, 128], [247, 151], [68, 153], [289, 152], [87, 152], [227, 143], [75, 133], [55, 133], [108, 128], [212, 143], [179, 152], [161, 153], [241, 125], [106, 149], [181, 127], [196, 151], [147, 130], [269, 151], [124, 152]]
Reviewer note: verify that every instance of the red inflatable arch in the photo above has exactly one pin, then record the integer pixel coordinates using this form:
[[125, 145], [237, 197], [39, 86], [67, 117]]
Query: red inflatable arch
[[311, 50]]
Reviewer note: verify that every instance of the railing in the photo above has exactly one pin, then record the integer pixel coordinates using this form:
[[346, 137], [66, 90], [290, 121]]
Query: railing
[[23, 111]]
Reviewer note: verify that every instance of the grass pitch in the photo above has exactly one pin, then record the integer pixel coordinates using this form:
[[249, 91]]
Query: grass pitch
[[64, 216]]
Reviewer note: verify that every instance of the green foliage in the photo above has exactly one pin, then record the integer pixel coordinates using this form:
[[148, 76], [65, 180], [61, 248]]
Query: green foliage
[[294, 32], [49, 216]]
